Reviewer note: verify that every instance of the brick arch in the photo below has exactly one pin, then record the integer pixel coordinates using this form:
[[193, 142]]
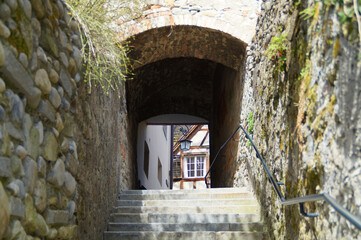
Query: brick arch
[[186, 41], [167, 31]]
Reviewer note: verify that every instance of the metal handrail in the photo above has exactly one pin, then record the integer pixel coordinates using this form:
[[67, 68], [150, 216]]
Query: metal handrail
[[300, 200]]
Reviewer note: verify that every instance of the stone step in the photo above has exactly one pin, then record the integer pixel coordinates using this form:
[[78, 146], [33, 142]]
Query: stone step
[[160, 227], [180, 195], [245, 209], [228, 235], [187, 202], [182, 218], [185, 191]]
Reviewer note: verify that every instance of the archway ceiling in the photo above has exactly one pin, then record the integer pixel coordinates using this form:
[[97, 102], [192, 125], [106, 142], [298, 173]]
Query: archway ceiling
[[186, 41]]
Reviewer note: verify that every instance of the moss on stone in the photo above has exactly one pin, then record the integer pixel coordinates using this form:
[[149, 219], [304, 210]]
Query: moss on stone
[[311, 103]]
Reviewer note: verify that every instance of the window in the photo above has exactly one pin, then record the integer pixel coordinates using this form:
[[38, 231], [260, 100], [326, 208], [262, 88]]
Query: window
[[160, 172], [146, 158], [194, 166], [177, 172]]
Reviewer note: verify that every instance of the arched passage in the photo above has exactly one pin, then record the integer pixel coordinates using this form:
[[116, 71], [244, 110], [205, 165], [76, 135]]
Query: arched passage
[[194, 71]]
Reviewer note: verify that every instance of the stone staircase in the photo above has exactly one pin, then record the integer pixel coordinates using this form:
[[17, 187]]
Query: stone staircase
[[218, 213]]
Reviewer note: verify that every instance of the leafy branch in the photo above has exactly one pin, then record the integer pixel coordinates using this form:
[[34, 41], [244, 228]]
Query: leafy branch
[[105, 59]]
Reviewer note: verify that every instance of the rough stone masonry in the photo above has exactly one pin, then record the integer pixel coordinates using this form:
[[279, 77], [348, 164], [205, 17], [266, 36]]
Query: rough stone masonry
[[52, 160]]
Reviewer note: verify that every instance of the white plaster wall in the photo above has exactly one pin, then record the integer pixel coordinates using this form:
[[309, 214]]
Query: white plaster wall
[[159, 147]]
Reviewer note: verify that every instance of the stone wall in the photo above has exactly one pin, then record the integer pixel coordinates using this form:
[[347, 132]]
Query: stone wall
[[307, 116], [62, 150]]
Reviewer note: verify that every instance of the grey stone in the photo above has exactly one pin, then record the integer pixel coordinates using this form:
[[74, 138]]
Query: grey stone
[[40, 199], [61, 8], [42, 81], [2, 114], [64, 147], [57, 174], [22, 192], [56, 65], [63, 39], [41, 55], [27, 33], [59, 123], [5, 11], [23, 59], [65, 81], [4, 140], [36, 26], [48, 42], [69, 184], [5, 170], [17, 208], [55, 131], [15, 75], [71, 207], [17, 231], [42, 227], [2, 55], [18, 110], [13, 188], [72, 67], [38, 8], [31, 174], [52, 234], [54, 217], [69, 125], [33, 65], [46, 110], [4, 211], [55, 98], [65, 104], [12, 25], [77, 78], [48, 7], [64, 60], [26, 6], [53, 76], [17, 166], [41, 167], [40, 128], [4, 30], [77, 56], [13, 4], [76, 40], [2, 85], [61, 91], [15, 132], [9, 94], [50, 149], [20, 151]]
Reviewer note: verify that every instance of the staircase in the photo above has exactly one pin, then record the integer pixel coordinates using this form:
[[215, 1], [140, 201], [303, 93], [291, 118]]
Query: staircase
[[218, 213]]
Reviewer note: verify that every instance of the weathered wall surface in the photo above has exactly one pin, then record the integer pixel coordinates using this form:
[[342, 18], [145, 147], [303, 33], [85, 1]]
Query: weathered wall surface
[[61, 152], [307, 117]]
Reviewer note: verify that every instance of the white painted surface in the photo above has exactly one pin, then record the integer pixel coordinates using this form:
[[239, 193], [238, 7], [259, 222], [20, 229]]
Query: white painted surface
[[159, 147]]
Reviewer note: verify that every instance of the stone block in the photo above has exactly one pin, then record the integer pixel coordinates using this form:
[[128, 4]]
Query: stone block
[[69, 184], [2, 55], [65, 81], [50, 149], [40, 196], [17, 208], [17, 77], [47, 110], [41, 167], [15, 132], [67, 232], [57, 174], [31, 173], [5, 167], [42, 81], [54, 98], [71, 164], [4, 211], [57, 217], [17, 231]]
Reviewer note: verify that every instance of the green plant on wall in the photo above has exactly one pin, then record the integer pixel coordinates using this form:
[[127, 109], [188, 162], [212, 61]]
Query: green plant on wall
[[250, 122], [276, 51], [105, 59], [308, 12]]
